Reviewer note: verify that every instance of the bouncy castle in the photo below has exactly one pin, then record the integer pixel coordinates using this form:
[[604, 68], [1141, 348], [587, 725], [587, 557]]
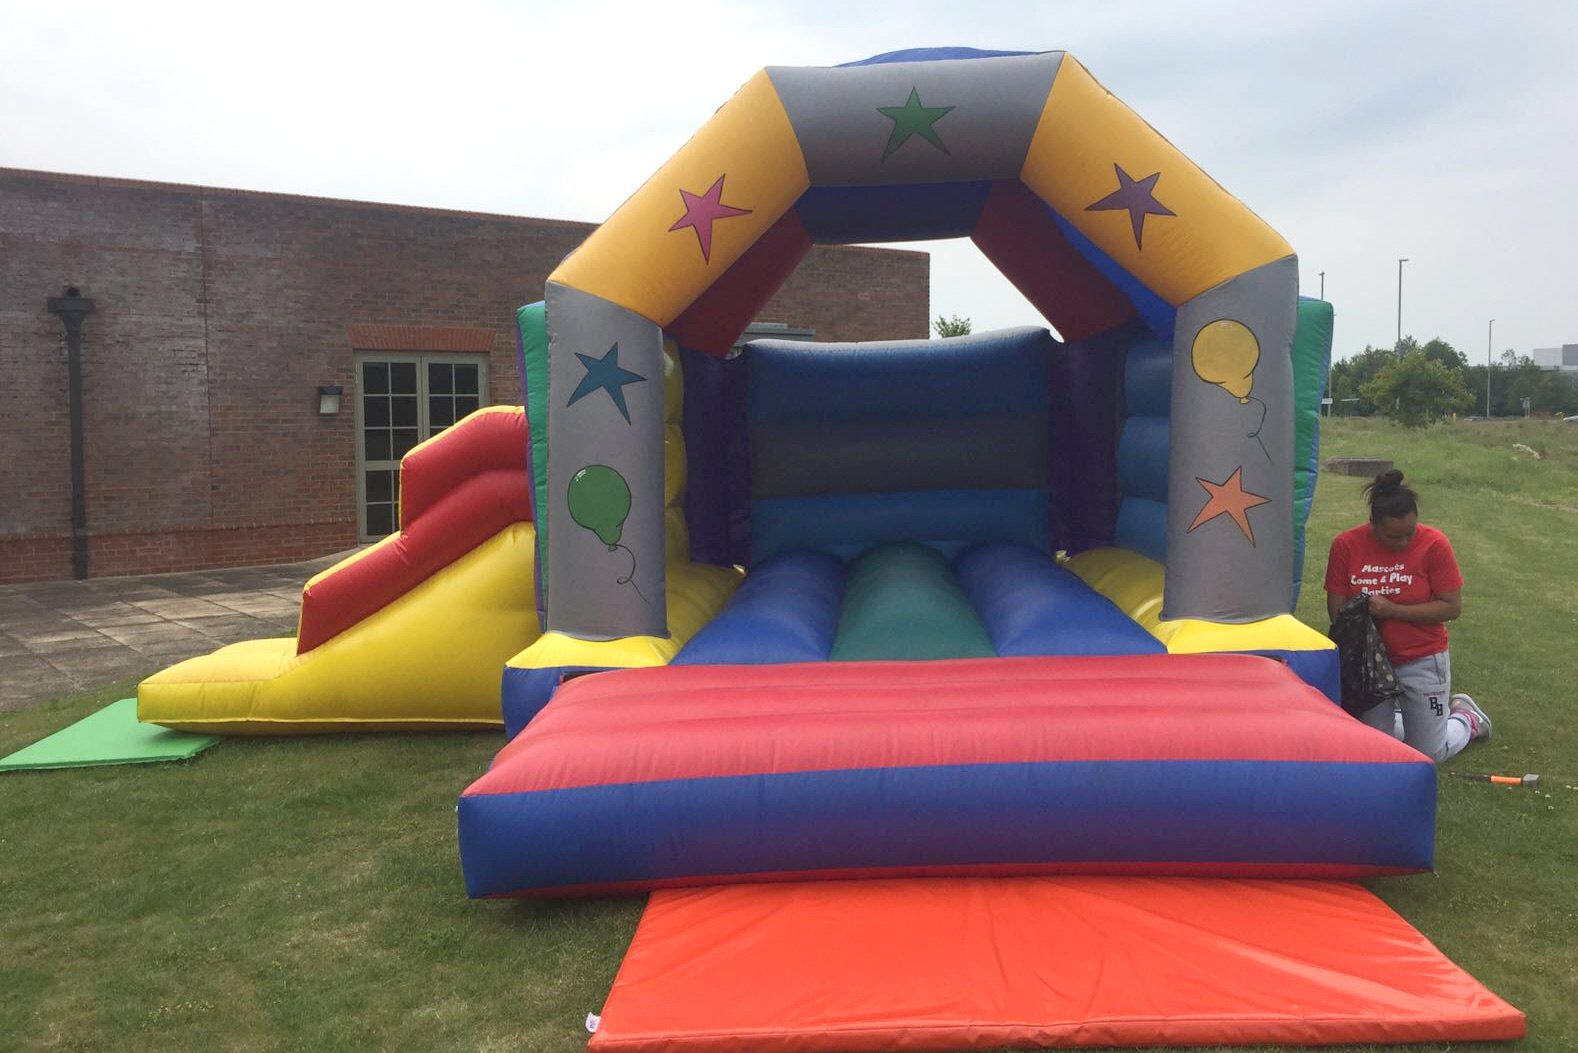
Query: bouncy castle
[[997, 629]]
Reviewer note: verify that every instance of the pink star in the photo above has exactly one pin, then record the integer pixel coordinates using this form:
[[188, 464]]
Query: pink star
[[701, 210]]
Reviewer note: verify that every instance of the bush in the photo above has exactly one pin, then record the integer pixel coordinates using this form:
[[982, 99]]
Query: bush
[[1416, 391]]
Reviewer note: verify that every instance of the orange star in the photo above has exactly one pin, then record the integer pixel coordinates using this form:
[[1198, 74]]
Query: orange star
[[1229, 499]]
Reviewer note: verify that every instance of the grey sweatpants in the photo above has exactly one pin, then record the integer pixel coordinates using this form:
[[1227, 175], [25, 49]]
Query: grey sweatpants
[[1424, 712]]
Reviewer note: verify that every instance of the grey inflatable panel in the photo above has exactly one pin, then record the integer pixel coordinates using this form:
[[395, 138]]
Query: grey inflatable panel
[[605, 573], [1230, 477], [861, 457], [916, 122]]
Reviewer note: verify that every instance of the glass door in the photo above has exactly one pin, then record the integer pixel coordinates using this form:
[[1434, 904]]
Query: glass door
[[402, 399]]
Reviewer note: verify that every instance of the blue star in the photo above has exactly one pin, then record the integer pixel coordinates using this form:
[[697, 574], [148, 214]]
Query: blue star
[[605, 373]]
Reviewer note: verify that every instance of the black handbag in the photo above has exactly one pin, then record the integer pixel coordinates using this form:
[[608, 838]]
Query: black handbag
[[1368, 679]]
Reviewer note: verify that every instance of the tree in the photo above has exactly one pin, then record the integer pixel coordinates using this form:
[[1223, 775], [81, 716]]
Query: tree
[[1559, 393], [1474, 380], [952, 325], [1416, 391], [1549, 391], [1349, 376], [1438, 350]]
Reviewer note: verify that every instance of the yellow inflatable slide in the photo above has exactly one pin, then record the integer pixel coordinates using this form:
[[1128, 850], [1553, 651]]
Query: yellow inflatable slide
[[410, 633]]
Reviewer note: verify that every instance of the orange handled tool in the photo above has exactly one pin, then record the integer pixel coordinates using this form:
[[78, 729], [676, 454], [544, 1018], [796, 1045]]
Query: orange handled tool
[[1500, 780]]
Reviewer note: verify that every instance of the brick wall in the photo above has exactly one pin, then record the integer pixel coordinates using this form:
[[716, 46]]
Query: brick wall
[[218, 313]]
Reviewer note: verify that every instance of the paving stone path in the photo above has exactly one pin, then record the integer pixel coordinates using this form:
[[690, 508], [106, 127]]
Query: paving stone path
[[58, 637]]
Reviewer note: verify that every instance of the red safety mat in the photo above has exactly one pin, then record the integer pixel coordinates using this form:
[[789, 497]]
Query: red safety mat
[[977, 963]]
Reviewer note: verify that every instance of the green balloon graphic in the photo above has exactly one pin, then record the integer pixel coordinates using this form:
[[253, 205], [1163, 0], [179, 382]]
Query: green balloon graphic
[[600, 501]]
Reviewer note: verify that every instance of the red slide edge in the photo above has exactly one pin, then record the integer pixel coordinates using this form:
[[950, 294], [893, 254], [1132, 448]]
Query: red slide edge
[[455, 493]]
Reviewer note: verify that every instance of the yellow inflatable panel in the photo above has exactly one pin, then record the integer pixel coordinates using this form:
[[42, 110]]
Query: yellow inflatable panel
[[688, 224], [1085, 134], [673, 384], [676, 537], [1283, 632], [1126, 578], [696, 593], [674, 467], [431, 659], [1134, 583]]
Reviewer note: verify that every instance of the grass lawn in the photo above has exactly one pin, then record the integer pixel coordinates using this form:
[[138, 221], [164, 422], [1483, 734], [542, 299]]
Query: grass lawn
[[305, 894]]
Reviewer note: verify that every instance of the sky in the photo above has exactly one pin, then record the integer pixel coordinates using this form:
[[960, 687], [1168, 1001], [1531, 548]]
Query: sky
[[1443, 132]]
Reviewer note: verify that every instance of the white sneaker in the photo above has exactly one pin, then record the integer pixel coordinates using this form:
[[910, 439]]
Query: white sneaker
[[1478, 719]]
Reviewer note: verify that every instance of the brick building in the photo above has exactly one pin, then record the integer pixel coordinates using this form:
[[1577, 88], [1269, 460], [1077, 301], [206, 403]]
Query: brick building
[[217, 317]]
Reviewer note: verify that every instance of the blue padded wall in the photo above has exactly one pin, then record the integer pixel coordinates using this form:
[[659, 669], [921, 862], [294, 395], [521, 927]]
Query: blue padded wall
[[987, 373], [1142, 526], [845, 525], [1143, 446], [1141, 473], [1148, 378], [1084, 401], [938, 441], [850, 215]]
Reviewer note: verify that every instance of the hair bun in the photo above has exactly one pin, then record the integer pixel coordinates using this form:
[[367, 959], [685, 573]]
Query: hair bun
[[1388, 496]]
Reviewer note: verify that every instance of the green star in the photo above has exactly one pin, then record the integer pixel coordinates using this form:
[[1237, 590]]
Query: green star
[[913, 119]]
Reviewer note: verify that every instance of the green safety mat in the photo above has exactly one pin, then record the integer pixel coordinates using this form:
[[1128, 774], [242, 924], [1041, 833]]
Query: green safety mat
[[110, 736]]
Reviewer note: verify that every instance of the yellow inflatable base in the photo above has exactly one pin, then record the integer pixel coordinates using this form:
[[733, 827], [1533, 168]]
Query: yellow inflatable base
[[1134, 583], [696, 592], [430, 660]]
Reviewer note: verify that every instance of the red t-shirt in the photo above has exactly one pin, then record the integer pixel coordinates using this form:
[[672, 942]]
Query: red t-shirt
[[1419, 573]]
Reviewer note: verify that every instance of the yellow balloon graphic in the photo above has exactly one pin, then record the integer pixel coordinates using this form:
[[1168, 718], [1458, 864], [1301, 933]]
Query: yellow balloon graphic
[[1226, 353]]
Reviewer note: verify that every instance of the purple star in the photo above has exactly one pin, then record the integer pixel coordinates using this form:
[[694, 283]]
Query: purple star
[[1135, 197]]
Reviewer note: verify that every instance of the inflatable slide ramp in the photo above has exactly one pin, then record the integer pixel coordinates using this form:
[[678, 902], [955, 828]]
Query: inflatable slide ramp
[[409, 633]]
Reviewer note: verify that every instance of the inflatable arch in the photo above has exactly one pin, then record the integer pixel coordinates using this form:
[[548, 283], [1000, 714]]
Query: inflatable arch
[[1126, 247]]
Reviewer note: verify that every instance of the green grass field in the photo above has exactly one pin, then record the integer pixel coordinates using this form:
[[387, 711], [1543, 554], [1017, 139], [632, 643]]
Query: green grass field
[[305, 894]]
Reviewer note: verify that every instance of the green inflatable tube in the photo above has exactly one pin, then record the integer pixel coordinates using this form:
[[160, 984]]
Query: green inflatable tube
[[903, 602]]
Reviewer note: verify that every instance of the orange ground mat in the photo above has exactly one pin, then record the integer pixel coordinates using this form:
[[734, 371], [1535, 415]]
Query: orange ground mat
[[977, 963]]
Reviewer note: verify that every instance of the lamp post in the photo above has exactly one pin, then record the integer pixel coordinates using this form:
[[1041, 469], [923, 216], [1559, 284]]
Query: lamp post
[[1490, 334], [1400, 263], [1323, 285]]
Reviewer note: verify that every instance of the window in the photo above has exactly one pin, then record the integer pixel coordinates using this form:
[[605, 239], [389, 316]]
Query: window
[[402, 399]]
